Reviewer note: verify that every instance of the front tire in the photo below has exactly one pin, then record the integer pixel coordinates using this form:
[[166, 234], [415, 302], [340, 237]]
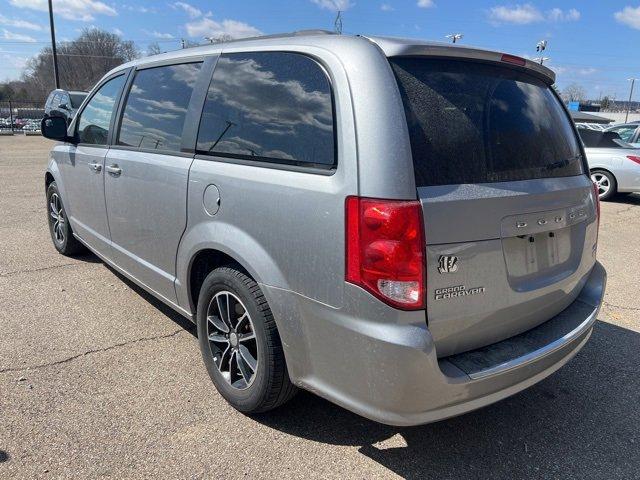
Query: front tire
[[240, 344], [59, 227], [606, 183]]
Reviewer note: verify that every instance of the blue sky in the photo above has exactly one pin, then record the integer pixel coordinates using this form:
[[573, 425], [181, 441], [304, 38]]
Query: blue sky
[[593, 43]]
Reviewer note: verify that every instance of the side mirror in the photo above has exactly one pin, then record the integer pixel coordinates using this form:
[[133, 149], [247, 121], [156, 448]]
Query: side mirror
[[54, 128], [63, 106]]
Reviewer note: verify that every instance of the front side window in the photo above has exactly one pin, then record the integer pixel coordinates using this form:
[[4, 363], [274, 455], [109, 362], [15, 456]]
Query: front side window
[[95, 119], [156, 107], [269, 106]]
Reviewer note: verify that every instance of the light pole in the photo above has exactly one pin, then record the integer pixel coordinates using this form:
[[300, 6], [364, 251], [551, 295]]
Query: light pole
[[541, 46], [455, 37], [633, 81], [53, 46]]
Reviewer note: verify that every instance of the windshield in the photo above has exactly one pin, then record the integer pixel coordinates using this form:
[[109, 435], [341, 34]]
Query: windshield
[[471, 122], [77, 98]]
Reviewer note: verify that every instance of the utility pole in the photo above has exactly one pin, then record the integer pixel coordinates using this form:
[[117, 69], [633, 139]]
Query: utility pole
[[53, 46], [455, 37], [337, 24], [633, 81]]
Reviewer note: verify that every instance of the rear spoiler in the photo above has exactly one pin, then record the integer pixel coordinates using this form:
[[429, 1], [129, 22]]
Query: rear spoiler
[[395, 48]]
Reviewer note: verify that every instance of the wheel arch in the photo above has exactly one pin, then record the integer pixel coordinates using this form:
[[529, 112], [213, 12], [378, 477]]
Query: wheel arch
[[201, 264]]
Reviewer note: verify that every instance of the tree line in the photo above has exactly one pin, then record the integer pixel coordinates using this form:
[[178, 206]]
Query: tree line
[[81, 63]]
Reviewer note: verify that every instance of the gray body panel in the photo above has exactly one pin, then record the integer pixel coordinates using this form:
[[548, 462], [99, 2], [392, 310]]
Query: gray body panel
[[84, 192], [285, 226], [147, 211]]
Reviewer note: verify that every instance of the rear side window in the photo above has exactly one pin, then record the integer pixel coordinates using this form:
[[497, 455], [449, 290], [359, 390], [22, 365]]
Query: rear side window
[[156, 107], [471, 122], [271, 107]]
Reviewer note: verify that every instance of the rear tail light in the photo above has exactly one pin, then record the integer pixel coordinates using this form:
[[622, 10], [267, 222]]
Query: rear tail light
[[634, 158], [596, 197], [385, 250]]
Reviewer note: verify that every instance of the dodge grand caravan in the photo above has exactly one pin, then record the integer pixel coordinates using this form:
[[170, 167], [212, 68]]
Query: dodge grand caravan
[[407, 229]]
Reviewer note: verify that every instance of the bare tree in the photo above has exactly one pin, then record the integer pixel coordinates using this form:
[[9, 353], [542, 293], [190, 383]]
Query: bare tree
[[574, 93], [81, 63], [153, 49]]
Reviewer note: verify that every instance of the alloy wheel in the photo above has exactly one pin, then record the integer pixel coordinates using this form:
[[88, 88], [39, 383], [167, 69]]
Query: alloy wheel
[[57, 217], [232, 339], [602, 183]]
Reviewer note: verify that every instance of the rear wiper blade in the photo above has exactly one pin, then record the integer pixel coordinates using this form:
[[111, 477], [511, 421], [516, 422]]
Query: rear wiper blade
[[563, 163]]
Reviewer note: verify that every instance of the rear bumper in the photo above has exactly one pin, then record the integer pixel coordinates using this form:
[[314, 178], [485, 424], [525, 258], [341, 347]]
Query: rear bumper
[[388, 371]]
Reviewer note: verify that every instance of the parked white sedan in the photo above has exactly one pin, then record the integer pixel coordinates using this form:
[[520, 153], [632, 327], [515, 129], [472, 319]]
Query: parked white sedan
[[614, 164]]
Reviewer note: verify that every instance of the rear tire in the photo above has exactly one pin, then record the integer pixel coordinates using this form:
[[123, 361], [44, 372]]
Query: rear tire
[[59, 227], [606, 183], [240, 344]]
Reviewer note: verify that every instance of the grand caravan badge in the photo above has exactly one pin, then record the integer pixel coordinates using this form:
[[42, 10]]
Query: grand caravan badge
[[457, 291]]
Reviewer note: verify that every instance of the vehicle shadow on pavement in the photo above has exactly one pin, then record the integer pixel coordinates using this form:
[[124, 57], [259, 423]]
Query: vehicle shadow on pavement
[[582, 422], [166, 310], [629, 199]]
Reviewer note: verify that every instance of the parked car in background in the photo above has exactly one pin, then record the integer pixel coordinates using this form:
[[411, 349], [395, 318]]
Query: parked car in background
[[63, 103], [405, 228], [628, 132], [613, 163]]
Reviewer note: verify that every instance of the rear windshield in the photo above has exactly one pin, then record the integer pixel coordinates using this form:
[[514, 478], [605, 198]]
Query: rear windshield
[[471, 122], [598, 139]]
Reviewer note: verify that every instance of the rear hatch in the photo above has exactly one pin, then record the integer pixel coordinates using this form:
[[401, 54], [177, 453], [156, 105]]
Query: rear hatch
[[509, 213]]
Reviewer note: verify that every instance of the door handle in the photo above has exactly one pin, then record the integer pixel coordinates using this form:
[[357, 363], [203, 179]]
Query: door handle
[[96, 167], [114, 170]]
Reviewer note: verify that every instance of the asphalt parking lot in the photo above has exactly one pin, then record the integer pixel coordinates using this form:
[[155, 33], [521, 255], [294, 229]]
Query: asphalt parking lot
[[98, 379]]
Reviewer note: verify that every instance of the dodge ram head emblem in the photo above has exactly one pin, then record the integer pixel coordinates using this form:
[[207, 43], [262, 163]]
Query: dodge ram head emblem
[[448, 264]]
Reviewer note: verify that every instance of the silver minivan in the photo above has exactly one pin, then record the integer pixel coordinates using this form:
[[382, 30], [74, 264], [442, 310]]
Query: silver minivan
[[407, 229]]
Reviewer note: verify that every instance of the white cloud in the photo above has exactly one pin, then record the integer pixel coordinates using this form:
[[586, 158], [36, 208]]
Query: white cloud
[[558, 15], [629, 16], [166, 36], [572, 70], [11, 22], [527, 13], [139, 8], [385, 7], [334, 5], [426, 3], [518, 14], [84, 10], [7, 35], [207, 27], [189, 9]]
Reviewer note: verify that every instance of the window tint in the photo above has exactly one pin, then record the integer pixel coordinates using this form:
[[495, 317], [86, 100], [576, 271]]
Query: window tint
[[473, 123], [94, 121], [76, 99], [156, 107], [270, 106], [599, 139]]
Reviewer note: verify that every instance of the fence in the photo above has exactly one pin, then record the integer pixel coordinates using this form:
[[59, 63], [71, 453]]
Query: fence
[[18, 116]]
